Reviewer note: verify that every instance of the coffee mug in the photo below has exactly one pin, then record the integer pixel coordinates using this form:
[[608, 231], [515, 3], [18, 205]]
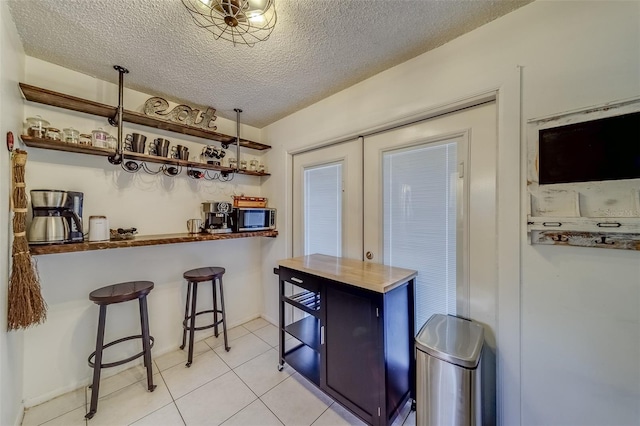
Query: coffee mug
[[159, 147], [135, 142], [182, 152], [193, 225], [211, 151]]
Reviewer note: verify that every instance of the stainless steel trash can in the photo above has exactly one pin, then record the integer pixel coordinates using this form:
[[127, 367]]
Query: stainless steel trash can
[[448, 387]]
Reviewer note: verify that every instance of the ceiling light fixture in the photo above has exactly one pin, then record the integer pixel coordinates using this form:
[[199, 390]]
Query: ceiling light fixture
[[238, 21]]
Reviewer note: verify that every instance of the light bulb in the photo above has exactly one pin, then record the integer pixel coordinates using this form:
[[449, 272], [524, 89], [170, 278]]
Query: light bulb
[[256, 17]]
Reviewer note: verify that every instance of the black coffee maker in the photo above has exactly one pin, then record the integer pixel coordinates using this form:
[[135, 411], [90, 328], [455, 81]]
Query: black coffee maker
[[57, 216], [216, 217]]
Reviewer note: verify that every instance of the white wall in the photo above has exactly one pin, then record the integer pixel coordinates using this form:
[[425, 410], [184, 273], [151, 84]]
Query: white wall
[[568, 341], [55, 353], [11, 343]]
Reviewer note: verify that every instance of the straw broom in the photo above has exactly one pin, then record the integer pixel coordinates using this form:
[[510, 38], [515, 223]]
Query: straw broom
[[26, 305]]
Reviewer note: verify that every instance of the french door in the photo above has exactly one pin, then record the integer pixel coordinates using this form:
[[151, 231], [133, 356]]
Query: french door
[[428, 204], [327, 208]]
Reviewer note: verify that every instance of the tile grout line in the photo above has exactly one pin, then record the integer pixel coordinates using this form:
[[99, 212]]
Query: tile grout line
[[173, 400], [223, 361], [259, 398], [325, 410], [86, 389], [287, 378], [232, 369]]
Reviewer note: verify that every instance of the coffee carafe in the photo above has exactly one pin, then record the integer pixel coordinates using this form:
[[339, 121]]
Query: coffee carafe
[[57, 216]]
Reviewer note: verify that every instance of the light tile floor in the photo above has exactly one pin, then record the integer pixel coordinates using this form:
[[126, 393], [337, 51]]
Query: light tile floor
[[239, 387]]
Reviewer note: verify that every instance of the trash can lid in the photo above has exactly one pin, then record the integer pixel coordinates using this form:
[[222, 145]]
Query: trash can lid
[[452, 339]]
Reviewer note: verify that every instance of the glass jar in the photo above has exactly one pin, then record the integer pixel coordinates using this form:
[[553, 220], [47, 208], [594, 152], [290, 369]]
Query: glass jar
[[99, 138], [233, 163], [85, 139], [112, 142], [253, 165], [37, 126], [70, 135], [262, 168], [243, 164], [53, 134]]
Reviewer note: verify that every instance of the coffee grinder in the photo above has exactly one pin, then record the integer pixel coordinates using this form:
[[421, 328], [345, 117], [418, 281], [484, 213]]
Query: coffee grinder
[[216, 217]]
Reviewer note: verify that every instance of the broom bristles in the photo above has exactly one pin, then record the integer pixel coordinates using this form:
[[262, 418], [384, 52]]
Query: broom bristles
[[26, 305]]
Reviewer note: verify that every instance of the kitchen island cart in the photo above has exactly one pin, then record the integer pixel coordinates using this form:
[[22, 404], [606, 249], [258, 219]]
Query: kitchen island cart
[[348, 327]]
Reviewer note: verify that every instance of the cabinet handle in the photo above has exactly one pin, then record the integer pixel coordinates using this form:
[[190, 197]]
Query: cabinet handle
[[297, 280], [322, 335]]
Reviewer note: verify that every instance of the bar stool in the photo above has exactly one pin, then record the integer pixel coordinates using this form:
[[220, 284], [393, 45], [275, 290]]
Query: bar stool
[[104, 297], [193, 277]]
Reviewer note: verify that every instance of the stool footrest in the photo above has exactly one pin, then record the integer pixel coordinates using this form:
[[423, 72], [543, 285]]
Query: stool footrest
[[124, 361], [203, 327]]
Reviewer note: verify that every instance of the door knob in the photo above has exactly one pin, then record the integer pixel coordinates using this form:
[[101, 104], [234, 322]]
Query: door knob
[[369, 255]]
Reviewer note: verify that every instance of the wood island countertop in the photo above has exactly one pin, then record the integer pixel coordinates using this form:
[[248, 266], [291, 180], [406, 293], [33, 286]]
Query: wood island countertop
[[366, 275], [140, 241]]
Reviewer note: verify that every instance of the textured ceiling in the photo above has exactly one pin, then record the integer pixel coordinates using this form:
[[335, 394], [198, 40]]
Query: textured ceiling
[[317, 48]]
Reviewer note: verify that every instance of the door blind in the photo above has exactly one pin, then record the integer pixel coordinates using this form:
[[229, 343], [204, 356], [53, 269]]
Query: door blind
[[419, 222], [323, 210]]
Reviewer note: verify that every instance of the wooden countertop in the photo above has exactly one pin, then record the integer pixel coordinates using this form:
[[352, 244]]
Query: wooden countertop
[[366, 275], [139, 241]]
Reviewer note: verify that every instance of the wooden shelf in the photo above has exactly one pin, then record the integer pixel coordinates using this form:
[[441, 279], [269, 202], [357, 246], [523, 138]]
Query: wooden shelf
[[66, 147], [140, 241], [91, 150], [49, 97]]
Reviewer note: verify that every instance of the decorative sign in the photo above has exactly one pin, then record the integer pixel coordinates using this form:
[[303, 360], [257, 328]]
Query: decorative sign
[[182, 114]]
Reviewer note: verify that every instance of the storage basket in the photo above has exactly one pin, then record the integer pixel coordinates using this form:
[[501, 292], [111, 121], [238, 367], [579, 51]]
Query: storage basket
[[242, 201]]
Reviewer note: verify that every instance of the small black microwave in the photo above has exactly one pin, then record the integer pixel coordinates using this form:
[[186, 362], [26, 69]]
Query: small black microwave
[[253, 219]]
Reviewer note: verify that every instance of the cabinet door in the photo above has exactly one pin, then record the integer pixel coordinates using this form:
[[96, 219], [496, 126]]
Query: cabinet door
[[352, 352]]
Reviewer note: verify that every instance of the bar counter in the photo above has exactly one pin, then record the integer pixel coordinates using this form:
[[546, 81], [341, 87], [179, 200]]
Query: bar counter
[[140, 241]]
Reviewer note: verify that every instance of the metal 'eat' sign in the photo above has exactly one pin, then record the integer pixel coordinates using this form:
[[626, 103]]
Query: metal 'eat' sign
[[182, 114]]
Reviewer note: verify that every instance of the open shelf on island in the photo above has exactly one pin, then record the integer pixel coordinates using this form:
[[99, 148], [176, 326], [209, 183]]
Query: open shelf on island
[[307, 330], [140, 241], [60, 100], [91, 150], [306, 361]]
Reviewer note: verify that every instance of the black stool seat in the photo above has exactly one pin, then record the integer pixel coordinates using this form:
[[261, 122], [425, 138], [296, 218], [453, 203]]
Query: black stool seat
[[118, 293], [204, 274], [193, 277], [122, 292]]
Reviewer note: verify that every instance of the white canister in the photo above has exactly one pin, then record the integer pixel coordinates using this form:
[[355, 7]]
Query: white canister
[[98, 228]]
